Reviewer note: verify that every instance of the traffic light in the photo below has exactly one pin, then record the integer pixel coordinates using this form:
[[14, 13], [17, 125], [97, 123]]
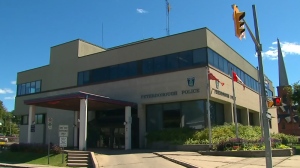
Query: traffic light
[[238, 18], [277, 101]]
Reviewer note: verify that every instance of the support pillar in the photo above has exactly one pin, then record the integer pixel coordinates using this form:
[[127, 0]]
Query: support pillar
[[76, 129], [83, 124], [142, 125], [245, 116], [127, 123], [31, 118], [228, 112]]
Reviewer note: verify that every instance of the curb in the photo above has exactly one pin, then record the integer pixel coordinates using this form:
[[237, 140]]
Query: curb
[[182, 163], [13, 165]]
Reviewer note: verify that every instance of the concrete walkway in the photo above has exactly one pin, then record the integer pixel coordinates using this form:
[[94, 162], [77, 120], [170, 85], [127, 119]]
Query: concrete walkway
[[193, 160]]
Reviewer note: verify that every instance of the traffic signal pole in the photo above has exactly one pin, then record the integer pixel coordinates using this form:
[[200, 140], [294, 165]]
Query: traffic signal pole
[[268, 150]]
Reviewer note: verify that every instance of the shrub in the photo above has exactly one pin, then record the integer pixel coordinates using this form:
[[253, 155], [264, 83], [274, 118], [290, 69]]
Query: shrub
[[34, 148], [285, 139]]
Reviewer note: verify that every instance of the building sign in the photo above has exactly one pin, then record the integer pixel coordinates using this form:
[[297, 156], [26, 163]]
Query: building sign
[[218, 92], [191, 81]]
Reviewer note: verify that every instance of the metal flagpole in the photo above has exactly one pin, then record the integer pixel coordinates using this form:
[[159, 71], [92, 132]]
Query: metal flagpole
[[234, 107], [208, 109]]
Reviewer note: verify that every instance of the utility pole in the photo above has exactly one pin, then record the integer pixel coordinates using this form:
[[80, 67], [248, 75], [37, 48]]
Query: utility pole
[[239, 28]]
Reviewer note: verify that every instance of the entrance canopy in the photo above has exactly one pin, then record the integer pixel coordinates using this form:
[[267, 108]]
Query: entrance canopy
[[71, 101]]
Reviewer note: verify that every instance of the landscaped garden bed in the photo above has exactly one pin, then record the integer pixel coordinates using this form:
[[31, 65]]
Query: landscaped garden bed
[[224, 141]]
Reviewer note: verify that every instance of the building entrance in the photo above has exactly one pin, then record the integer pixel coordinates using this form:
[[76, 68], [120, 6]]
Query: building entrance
[[107, 130]]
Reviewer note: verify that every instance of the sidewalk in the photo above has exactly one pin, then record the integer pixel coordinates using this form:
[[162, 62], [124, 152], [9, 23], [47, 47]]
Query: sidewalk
[[193, 160]]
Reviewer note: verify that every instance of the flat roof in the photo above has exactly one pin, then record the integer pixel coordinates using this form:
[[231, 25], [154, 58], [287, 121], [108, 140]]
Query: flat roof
[[71, 101]]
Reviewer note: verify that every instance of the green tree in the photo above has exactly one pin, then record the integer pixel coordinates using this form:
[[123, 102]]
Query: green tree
[[293, 93], [9, 122]]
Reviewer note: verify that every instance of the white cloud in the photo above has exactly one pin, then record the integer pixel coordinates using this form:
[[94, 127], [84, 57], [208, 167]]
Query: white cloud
[[139, 10], [9, 98], [13, 82], [5, 91], [287, 48]]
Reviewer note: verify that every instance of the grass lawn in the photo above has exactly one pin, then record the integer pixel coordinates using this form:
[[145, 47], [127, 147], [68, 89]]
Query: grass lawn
[[32, 158]]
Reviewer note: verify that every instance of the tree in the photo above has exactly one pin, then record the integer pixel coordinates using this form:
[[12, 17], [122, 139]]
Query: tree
[[9, 122], [293, 93]]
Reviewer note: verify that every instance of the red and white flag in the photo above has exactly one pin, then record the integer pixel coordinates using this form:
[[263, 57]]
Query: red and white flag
[[237, 79], [212, 77]]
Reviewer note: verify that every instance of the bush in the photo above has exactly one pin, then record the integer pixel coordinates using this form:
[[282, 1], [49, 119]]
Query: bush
[[285, 139], [34, 148]]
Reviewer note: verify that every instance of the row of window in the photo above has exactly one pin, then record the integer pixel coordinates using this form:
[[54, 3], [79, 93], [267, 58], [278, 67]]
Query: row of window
[[183, 114], [225, 66], [160, 64], [29, 88], [39, 119]]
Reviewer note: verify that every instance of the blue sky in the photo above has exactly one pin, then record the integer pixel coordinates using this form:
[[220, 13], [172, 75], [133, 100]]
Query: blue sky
[[29, 28]]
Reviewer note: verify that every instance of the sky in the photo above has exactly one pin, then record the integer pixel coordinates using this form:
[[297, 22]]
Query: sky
[[28, 28]]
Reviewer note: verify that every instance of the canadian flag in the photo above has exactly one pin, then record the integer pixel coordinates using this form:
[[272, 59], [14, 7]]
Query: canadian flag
[[212, 77], [237, 79]]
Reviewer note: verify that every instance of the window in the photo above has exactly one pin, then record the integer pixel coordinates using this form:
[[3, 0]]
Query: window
[[39, 119], [160, 64], [226, 70], [104, 74], [29, 88], [132, 69], [172, 61], [113, 72], [270, 124], [154, 117], [216, 60], [25, 120], [123, 70], [193, 113], [217, 113], [200, 56], [171, 115], [86, 77], [147, 66], [80, 78], [95, 75], [210, 55], [185, 59], [221, 63], [251, 118]]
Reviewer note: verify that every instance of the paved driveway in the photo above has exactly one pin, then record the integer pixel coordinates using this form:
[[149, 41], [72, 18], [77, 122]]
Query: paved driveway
[[148, 159], [132, 159]]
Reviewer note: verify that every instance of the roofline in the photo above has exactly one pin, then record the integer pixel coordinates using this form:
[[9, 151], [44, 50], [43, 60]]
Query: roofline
[[79, 95]]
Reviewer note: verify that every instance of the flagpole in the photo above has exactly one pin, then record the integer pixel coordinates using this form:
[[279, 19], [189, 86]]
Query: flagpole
[[208, 109], [234, 107]]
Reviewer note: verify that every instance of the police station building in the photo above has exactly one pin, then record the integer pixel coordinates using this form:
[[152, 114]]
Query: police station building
[[112, 97]]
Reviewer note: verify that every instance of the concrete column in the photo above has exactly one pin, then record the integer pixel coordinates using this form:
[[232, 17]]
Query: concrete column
[[142, 125], [228, 112], [31, 118], [83, 124], [76, 128], [128, 121], [245, 116]]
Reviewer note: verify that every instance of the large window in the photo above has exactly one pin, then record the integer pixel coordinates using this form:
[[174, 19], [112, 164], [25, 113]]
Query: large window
[[29, 88], [160, 64], [191, 114], [225, 66], [39, 119]]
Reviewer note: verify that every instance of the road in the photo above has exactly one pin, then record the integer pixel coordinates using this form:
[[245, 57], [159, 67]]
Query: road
[[132, 159]]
